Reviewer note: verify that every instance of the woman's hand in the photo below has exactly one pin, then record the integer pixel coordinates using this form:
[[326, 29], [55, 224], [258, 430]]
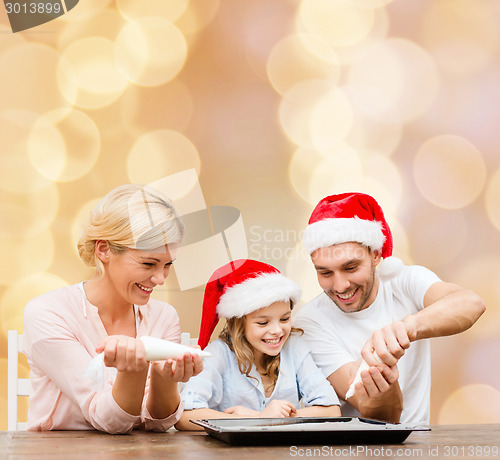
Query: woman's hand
[[279, 409], [128, 356], [164, 398], [180, 369], [242, 411], [125, 353]]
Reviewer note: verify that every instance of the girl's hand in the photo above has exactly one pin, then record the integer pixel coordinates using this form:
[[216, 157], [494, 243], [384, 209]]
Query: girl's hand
[[180, 369], [125, 353], [279, 409], [242, 411]]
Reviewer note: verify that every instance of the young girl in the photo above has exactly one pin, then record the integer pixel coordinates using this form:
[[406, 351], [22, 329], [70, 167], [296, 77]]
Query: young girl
[[131, 239], [260, 367]]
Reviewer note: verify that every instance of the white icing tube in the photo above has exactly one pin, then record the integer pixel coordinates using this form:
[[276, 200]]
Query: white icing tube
[[156, 350], [159, 349], [357, 378]]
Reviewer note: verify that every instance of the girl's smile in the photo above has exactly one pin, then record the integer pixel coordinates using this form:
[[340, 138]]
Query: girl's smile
[[268, 328]]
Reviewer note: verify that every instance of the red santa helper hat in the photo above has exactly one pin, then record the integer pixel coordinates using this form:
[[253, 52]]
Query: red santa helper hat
[[352, 217], [239, 288]]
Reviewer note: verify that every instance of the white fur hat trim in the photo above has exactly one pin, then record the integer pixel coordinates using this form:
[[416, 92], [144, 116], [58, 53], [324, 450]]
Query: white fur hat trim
[[255, 293], [328, 232]]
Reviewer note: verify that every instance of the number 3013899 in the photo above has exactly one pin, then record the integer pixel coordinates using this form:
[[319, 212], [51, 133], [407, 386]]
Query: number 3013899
[[33, 8]]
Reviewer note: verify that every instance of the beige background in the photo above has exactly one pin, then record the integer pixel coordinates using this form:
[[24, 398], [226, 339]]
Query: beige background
[[275, 104]]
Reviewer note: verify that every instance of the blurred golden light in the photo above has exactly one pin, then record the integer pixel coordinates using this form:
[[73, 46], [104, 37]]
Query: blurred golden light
[[85, 11], [369, 134], [482, 275], [400, 71], [492, 199], [297, 108], [300, 269], [370, 3], [27, 79], [14, 39], [376, 125], [133, 10], [256, 33], [160, 153], [476, 403], [402, 248], [348, 55], [197, 16], [379, 167], [463, 35], [436, 245], [17, 173], [373, 103], [290, 62], [106, 23], [88, 75], [476, 362], [337, 22], [64, 145], [449, 171], [142, 54], [80, 218], [340, 164], [148, 108], [302, 167], [331, 119], [19, 294], [28, 214], [354, 181], [25, 256]]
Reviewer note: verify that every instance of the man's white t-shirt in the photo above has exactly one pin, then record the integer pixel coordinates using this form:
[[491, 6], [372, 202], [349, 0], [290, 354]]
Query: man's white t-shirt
[[336, 338]]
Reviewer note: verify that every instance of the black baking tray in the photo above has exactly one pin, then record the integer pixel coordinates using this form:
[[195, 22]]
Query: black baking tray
[[306, 430]]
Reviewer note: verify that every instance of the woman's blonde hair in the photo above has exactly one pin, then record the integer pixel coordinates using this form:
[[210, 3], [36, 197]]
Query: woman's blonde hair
[[130, 217], [233, 334]]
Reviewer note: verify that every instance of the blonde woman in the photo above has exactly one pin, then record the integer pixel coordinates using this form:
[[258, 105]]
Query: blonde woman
[[260, 366], [131, 239]]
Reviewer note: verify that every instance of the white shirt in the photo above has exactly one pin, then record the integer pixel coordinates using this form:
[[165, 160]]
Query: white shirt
[[221, 384], [336, 338]]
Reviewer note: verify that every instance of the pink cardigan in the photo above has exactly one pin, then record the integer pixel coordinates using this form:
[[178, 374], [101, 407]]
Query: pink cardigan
[[61, 332]]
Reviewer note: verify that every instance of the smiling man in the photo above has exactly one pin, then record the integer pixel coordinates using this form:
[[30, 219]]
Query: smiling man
[[375, 308]]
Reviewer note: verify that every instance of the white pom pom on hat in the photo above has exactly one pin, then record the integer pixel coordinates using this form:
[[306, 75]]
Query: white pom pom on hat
[[390, 268]]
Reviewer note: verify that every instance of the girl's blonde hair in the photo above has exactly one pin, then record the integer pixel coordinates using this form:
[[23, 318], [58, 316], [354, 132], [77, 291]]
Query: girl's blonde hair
[[233, 334], [130, 217]]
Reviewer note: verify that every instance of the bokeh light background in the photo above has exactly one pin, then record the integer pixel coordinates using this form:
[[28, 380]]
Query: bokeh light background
[[275, 104]]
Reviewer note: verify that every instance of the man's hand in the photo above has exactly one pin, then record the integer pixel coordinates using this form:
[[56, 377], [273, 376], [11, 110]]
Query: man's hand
[[379, 395], [375, 382], [389, 343]]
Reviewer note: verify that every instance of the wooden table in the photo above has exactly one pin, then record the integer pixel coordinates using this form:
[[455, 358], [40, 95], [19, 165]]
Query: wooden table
[[443, 442]]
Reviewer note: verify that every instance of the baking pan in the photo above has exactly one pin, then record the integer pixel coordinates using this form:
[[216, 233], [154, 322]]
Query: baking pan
[[306, 430]]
